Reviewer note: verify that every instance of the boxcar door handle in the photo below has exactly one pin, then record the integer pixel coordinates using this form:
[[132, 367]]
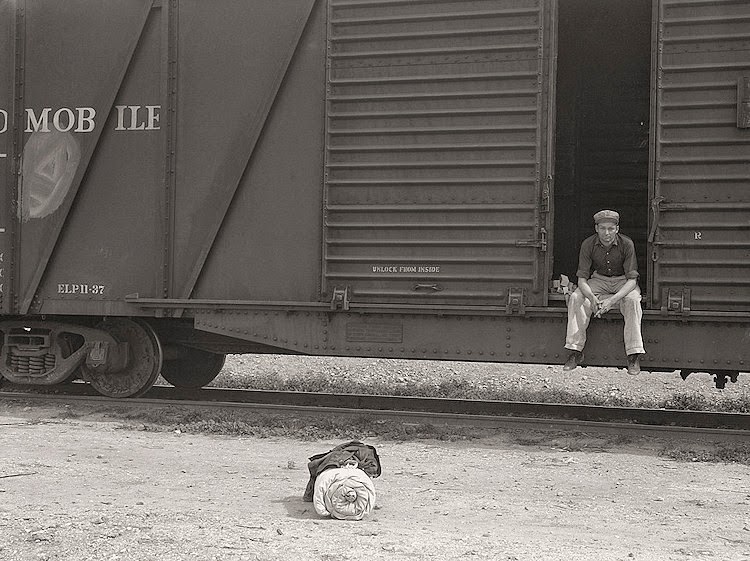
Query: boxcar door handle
[[655, 208], [435, 287]]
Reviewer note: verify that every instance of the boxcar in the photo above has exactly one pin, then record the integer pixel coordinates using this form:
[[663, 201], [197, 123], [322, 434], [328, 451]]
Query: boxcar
[[183, 179]]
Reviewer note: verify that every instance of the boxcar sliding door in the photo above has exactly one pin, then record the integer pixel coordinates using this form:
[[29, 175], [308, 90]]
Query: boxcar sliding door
[[436, 152], [700, 230]]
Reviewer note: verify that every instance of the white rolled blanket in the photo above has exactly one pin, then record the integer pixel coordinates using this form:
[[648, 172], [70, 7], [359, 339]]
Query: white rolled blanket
[[346, 493]]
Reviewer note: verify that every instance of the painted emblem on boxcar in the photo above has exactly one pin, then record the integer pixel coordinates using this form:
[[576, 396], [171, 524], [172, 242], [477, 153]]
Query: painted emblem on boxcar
[[50, 161], [52, 154]]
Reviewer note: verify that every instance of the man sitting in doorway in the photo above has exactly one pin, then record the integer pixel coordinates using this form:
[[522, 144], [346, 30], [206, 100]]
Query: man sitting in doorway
[[607, 277]]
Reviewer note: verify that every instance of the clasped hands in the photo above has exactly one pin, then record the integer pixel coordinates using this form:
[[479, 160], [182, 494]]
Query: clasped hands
[[601, 307]]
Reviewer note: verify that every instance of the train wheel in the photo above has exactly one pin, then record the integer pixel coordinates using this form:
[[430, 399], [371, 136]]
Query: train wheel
[[144, 360], [194, 370]]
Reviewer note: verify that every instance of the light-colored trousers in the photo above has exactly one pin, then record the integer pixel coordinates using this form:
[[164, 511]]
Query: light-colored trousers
[[580, 311]]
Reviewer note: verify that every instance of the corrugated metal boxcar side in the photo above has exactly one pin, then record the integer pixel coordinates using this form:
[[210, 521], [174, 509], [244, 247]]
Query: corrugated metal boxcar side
[[401, 178], [435, 152], [700, 232]]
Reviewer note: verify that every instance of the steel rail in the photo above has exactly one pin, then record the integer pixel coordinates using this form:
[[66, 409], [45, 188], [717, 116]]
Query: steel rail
[[424, 407], [417, 418]]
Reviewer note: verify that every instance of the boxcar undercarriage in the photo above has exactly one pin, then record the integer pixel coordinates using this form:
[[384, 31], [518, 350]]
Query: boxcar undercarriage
[[123, 357]]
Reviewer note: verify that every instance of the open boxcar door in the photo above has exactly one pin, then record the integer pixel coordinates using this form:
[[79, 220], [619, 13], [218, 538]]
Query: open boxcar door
[[437, 129], [700, 232]]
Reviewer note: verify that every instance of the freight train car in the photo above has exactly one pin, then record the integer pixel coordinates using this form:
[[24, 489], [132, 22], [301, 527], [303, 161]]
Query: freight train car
[[183, 179]]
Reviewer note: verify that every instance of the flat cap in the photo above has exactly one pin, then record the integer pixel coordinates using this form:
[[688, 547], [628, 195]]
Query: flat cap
[[607, 215]]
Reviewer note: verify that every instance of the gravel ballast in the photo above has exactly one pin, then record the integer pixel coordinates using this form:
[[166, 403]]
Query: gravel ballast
[[466, 379]]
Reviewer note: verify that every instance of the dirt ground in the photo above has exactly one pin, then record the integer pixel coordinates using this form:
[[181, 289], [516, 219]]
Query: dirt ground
[[79, 488]]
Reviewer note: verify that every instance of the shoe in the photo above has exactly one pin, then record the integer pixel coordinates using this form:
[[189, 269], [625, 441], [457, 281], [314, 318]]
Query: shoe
[[634, 365], [575, 358]]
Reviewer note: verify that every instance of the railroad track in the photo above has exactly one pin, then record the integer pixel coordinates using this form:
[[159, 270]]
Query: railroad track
[[732, 426]]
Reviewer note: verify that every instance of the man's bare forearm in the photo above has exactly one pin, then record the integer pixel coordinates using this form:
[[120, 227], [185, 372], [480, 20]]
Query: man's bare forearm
[[583, 284], [626, 289]]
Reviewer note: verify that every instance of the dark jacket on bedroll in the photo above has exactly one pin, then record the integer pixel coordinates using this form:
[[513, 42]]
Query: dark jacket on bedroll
[[366, 456]]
